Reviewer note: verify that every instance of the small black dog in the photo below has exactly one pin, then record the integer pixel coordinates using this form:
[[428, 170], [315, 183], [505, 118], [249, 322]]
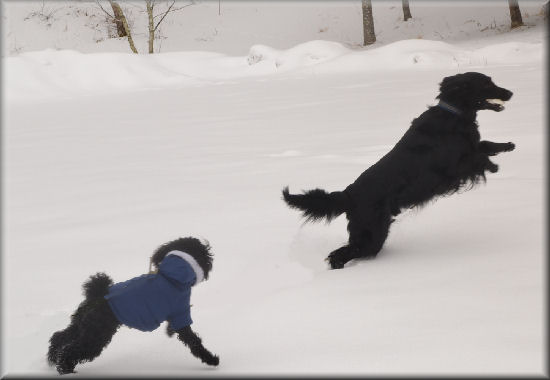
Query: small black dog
[[142, 302], [438, 155]]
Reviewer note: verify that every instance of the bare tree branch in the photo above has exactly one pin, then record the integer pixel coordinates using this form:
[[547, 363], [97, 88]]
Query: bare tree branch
[[107, 13], [150, 5], [175, 9], [167, 11]]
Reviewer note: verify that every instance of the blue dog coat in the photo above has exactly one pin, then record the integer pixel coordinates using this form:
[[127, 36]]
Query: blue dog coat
[[146, 301]]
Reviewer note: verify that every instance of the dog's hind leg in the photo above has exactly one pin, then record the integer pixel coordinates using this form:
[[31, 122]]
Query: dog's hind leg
[[58, 340], [339, 257], [365, 240], [370, 241], [69, 334], [360, 245], [96, 328]]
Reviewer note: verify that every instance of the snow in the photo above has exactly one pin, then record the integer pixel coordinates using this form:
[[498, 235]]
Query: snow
[[57, 74], [108, 155]]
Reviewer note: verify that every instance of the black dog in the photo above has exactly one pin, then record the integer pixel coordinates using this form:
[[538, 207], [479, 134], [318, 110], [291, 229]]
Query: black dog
[[438, 155], [142, 303]]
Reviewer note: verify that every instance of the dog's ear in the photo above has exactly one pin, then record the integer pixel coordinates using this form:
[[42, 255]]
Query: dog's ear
[[207, 257], [451, 85], [160, 253], [201, 251]]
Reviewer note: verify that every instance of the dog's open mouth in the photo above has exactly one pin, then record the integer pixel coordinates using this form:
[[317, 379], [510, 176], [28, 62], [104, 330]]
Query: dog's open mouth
[[495, 104]]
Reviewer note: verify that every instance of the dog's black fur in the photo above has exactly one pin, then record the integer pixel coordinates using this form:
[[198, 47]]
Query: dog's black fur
[[439, 154], [200, 252], [93, 324]]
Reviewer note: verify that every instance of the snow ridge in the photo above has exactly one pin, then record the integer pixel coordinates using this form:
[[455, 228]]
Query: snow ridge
[[58, 73]]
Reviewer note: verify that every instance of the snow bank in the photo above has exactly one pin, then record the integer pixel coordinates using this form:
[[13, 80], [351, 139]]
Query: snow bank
[[66, 73], [423, 54], [61, 73], [309, 53], [512, 53]]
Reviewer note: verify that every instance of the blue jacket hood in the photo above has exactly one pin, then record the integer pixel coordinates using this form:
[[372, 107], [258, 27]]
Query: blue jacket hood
[[178, 271], [181, 268]]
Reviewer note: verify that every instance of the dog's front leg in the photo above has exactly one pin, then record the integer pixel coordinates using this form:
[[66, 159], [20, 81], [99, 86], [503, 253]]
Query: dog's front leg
[[482, 162], [492, 148], [193, 341], [472, 165]]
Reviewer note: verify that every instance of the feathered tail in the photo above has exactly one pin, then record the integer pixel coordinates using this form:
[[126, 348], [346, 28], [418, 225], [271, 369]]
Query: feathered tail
[[317, 204], [97, 285]]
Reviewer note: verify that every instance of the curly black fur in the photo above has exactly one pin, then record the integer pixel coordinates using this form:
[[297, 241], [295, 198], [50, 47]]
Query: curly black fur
[[193, 246], [440, 154], [97, 285], [194, 342], [91, 329], [93, 324]]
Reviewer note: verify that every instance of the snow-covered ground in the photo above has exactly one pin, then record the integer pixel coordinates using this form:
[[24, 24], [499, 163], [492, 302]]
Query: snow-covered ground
[[108, 155]]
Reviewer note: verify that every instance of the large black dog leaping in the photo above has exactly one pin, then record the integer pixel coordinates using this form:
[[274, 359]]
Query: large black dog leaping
[[438, 155]]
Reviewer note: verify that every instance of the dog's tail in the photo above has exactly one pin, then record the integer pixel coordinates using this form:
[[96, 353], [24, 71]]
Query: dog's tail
[[97, 286], [317, 204]]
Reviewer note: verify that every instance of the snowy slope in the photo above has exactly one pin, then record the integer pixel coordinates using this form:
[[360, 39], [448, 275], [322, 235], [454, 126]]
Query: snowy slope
[[104, 163]]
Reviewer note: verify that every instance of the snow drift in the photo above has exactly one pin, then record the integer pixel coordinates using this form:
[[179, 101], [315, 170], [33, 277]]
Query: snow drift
[[54, 74]]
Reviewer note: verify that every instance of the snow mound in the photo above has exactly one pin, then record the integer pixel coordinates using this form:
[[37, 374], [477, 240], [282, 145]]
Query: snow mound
[[61, 73], [306, 54], [66, 73], [425, 54], [512, 53]]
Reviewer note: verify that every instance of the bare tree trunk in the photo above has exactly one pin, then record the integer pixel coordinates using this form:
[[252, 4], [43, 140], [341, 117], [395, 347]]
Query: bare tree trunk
[[124, 25], [117, 11], [515, 13], [406, 10], [368, 23], [151, 25]]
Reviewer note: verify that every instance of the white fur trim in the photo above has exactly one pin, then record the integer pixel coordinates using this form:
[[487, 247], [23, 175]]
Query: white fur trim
[[191, 260]]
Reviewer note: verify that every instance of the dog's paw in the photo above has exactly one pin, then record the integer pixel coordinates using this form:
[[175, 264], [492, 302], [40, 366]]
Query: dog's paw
[[334, 262], [64, 370], [170, 331], [510, 147], [213, 360], [493, 168]]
